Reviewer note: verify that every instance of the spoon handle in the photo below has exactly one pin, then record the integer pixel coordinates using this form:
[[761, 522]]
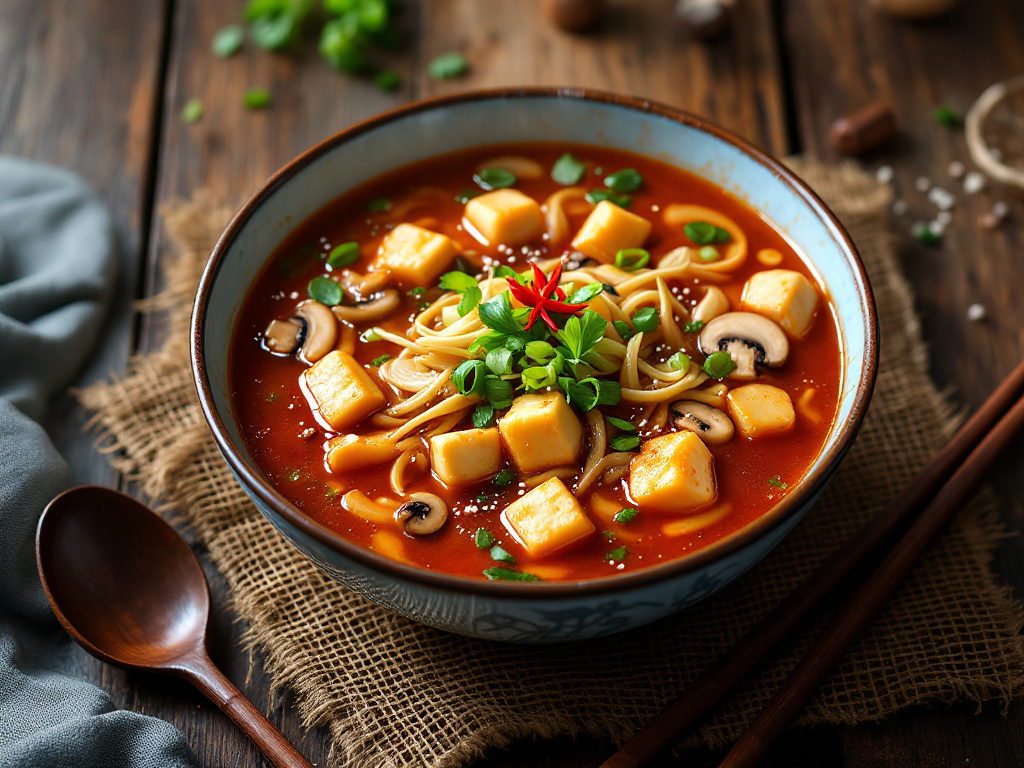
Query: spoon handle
[[222, 692]]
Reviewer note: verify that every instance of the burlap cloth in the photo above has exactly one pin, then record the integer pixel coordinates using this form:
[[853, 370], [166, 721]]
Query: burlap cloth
[[391, 692]]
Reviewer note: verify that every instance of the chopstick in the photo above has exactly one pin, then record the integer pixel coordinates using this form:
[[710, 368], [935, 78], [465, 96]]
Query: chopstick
[[972, 449]]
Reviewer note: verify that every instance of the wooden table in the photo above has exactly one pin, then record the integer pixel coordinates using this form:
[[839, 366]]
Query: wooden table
[[98, 86]]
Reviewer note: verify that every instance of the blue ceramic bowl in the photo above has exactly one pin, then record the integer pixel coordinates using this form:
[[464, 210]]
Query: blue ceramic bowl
[[530, 612]]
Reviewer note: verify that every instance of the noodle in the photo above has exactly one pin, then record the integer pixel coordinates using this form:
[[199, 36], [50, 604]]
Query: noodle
[[560, 472], [735, 252], [360, 504], [611, 460], [556, 220]]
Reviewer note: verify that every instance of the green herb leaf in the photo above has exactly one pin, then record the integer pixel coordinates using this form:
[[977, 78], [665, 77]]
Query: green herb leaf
[[483, 538], [924, 234], [700, 232], [192, 112], [468, 377], [623, 328], [632, 259], [379, 361], [344, 46], [596, 196], [499, 554], [539, 376], [326, 291], [708, 253], [470, 300], [419, 290], [504, 574], [228, 41], [567, 170], [947, 116], [497, 392], [378, 205], [256, 98], [343, 255], [497, 315], [625, 442], [483, 416], [274, 33], [645, 319], [466, 195], [626, 181], [494, 178], [722, 235], [625, 515], [609, 536], [616, 555], [694, 326], [387, 81], [540, 351], [680, 361], [776, 482], [580, 334], [447, 66], [622, 424], [499, 361], [719, 365], [591, 392], [503, 478], [458, 281], [586, 293]]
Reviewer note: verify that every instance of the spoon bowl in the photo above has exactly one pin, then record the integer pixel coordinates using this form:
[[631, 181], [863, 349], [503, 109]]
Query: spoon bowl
[[130, 591]]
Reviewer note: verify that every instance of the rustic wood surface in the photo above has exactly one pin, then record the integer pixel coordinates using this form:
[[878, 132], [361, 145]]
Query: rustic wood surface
[[98, 86]]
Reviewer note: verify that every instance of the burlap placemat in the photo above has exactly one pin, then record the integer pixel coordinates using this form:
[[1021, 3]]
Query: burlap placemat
[[393, 693]]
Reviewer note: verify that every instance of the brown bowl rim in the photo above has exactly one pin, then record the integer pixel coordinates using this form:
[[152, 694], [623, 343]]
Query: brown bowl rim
[[253, 478]]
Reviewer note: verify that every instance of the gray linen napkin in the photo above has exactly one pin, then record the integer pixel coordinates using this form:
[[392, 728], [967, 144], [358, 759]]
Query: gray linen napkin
[[57, 262]]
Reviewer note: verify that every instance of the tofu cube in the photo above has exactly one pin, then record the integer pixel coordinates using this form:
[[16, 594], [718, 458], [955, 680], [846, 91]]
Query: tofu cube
[[610, 229], [547, 518], [344, 392], [465, 456], [673, 474], [505, 217], [541, 432], [782, 295], [348, 452], [760, 409], [414, 255]]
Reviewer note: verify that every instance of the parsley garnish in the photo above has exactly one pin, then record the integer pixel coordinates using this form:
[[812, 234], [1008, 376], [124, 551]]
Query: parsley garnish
[[505, 574], [483, 416], [483, 538], [567, 170], [625, 515], [776, 482], [616, 555], [499, 554], [379, 361]]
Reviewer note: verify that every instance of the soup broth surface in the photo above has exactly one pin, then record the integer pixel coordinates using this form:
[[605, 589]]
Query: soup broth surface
[[290, 439]]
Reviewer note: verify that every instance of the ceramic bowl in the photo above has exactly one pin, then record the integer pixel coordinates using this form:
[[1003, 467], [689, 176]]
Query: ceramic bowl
[[530, 612]]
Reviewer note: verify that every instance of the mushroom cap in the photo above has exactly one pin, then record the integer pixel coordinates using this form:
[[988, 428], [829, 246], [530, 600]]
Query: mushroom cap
[[376, 308], [284, 337], [423, 514], [711, 425], [749, 338], [321, 330]]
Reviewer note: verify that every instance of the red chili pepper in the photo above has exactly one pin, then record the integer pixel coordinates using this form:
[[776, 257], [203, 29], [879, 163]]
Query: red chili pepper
[[539, 296]]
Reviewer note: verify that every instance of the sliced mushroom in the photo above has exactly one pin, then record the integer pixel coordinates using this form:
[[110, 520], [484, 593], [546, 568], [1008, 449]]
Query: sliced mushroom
[[711, 425], [376, 308], [321, 330], [365, 285], [712, 304], [749, 338], [283, 336], [423, 514]]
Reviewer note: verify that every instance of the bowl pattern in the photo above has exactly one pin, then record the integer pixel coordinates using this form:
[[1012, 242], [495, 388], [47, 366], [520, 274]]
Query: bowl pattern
[[531, 612]]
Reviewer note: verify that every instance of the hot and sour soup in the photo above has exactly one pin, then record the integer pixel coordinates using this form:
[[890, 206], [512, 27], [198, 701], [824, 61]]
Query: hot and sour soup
[[535, 362]]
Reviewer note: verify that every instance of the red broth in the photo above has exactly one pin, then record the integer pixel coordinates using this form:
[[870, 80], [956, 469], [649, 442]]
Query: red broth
[[288, 442]]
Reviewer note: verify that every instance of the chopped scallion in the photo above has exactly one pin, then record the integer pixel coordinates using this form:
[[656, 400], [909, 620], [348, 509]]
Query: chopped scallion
[[625, 442], [502, 556], [622, 424], [627, 181], [632, 259], [503, 478], [494, 178], [694, 326], [256, 98], [567, 170], [343, 255], [719, 365], [625, 515], [326, 291], [645, 319], [483, 538], [377, 362]]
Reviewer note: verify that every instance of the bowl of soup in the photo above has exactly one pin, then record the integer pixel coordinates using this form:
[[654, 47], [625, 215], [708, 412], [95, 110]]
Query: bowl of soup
[[535, 365]]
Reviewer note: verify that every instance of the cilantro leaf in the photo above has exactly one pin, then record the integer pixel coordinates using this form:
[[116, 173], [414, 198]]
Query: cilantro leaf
[[497, 315], [580, 334], [586, 293], [483, 538], [470, 299], [498, 573], [458, 282], [483, 416]]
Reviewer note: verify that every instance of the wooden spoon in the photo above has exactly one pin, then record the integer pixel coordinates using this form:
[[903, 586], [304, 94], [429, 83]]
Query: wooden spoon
[[127, 587]]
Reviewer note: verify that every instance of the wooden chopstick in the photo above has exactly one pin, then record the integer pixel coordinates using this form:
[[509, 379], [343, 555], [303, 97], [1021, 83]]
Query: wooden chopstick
[[666, 728], [870, 597]]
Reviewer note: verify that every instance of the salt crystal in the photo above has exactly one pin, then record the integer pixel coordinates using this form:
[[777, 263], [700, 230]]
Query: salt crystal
[[941, 198], [974, 182], [899, 207], [976, 313], [945, 218], [956, 169], [884, 174], [923, 183], [1000, 209], [937, 227]]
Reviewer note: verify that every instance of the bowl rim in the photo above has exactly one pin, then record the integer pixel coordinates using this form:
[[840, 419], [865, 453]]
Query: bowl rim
[[255, 482]]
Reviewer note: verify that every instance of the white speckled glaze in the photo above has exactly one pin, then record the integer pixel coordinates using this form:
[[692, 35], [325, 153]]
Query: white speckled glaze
[[530, 612]]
